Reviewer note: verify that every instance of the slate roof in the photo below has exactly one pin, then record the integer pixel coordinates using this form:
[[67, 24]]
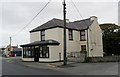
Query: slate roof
[[46, 42], [76, 25]]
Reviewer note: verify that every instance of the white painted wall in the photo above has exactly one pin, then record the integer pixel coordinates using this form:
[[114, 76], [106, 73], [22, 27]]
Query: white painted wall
[[51, 34], [73, 45], [28, 59], [95, 40], [35, 36]]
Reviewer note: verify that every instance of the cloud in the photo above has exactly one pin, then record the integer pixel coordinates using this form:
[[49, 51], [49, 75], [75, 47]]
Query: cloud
[[15, 15]]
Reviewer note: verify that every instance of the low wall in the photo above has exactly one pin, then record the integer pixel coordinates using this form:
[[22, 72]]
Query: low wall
[[104, 59], [96, 59]]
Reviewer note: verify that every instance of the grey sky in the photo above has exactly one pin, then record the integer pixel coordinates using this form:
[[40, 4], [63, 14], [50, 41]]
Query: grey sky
[[15, 15]]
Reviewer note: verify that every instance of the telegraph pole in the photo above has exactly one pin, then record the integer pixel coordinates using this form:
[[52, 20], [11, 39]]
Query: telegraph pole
[[10, 43], [64, 16]]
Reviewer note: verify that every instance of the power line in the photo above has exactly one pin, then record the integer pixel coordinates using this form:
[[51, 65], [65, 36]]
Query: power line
[[77, 9], [33, 18], [78, 12]]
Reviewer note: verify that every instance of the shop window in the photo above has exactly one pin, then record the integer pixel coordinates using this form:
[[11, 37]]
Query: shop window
[[44, 52]]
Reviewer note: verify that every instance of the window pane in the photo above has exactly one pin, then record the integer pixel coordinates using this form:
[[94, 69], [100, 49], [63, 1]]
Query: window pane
[[82, 37], [82, 32]]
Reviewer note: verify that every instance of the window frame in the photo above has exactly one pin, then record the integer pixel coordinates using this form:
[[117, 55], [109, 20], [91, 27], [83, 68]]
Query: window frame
[[44, 52], [43, 35], [27, 52], [82, 35], [70, 34]]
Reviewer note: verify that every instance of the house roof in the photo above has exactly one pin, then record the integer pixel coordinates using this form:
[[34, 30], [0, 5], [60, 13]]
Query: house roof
[[76, 25], [46, 42]]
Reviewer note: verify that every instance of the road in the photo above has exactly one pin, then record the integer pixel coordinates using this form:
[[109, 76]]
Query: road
[[10, 68]]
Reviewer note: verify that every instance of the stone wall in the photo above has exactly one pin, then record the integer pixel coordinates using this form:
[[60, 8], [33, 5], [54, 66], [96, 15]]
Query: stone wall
[[96, 59], [105, 59]]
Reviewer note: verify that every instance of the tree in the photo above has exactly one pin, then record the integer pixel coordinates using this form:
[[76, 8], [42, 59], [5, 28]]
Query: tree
[[111, 39]]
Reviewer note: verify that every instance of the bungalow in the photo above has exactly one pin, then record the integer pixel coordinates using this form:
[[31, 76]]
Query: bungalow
[[46, 41]]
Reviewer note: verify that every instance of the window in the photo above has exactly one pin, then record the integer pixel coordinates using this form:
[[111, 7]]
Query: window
[[70, 34], [27, 52], [44, 52], [83, 47], [82, 35], [43, 35]]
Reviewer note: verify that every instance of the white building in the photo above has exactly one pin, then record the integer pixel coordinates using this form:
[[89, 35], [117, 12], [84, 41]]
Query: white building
[[46, 41]]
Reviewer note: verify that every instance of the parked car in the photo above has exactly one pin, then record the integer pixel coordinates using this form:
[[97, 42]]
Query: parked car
[[15, 53], [11, 54]]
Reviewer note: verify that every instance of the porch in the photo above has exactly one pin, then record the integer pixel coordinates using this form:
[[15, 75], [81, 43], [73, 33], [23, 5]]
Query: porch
[[38, 50]]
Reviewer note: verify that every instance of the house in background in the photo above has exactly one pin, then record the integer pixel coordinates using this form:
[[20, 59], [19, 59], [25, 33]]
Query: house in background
[[14, 50], [46, 41]]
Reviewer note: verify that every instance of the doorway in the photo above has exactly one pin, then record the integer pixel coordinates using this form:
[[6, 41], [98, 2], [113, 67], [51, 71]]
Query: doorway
[[36, 54]]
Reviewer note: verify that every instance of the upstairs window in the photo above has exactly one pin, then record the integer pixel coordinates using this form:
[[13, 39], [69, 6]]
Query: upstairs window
[[43, 35], [70, 32], [82, 35]]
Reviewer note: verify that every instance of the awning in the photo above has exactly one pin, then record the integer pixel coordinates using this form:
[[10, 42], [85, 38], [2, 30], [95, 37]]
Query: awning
[[46, 42]]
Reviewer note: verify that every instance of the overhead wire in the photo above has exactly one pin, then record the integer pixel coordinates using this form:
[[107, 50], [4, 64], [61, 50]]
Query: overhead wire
[[77, 9], [32, 18]]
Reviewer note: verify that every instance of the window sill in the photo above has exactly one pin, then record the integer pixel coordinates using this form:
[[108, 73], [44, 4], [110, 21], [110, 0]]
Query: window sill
[[82, 40], [43, 57], [70, 39]]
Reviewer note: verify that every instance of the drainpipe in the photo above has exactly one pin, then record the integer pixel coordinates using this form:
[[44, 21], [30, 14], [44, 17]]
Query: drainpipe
[[87, 44]]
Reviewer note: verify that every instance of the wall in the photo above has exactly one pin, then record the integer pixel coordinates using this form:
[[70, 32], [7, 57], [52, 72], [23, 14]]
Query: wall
[[73, 45], [27, 59], [35, 36], [105, 59], [51, 34], [97, 59], [95, 40]]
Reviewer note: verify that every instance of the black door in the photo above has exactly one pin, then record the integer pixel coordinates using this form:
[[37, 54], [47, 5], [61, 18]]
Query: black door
[[36, 54]]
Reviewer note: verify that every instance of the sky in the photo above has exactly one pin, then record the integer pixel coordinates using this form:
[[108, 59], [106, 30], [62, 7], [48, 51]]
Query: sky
[[16, 14]]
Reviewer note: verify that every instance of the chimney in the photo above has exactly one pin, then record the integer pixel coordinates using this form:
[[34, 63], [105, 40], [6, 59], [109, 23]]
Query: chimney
[[93, 18]]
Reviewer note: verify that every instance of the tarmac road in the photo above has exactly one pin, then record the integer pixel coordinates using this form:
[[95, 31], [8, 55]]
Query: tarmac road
[[32, 68], [11, 68]]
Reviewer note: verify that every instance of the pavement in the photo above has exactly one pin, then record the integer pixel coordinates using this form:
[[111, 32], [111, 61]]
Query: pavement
[[105, 68]]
